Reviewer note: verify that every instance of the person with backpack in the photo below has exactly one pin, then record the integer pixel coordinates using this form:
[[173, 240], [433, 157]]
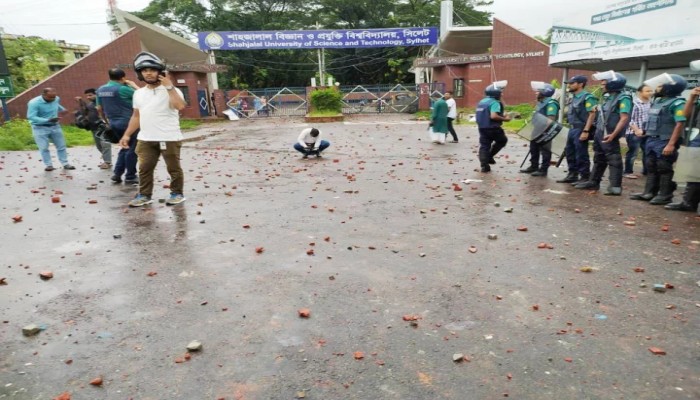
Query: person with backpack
[[88, 118], [548, 107], [490, 115], [664, 130], [612, 122], [114, 105]]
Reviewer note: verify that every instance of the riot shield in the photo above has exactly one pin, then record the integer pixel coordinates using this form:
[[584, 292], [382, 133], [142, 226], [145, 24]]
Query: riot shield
[[543, 130], [687, 168]]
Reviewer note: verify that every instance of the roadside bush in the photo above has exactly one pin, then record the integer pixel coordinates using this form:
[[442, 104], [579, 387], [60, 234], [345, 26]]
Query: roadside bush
[[327, 100], [17, 135]]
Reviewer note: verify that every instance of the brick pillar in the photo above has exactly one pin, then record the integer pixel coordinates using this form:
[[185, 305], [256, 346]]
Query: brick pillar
[[424, 96], [220, 103]]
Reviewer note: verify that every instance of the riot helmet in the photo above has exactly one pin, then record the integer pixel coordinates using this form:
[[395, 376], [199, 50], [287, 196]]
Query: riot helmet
[[542, 89], [495, 89], [614, 81], [667, 85], [145, 60]]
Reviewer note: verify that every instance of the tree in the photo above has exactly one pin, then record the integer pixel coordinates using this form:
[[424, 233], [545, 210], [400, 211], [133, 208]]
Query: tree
[[547, 38], [27, 60]]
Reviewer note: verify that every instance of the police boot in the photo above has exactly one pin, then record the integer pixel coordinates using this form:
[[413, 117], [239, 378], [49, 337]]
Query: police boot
[[666, 188], [615, 177], [532, 168], [484, 160], [691, 199], [589, 184], [583, 178], [569, 178], [494, 150], [540, 172], [651, 188]]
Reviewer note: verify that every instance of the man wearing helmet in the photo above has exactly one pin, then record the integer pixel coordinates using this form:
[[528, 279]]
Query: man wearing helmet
[[691, 196], [612, 122], [581, 118], [548, 107], [490, 114], [156, 116], [663, 131]]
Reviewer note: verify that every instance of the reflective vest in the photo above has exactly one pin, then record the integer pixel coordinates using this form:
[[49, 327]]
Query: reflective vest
[[483, 114], [661, 122], [609, 114], [577, 114]]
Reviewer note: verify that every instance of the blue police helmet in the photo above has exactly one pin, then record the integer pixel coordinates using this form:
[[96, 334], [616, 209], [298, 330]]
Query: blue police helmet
[[674, 89], [547, 91], [617, 84], [492, 91]]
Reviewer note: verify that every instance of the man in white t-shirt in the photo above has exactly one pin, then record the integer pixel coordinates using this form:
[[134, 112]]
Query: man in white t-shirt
[[310, 142], [156, 114], [451, 115]]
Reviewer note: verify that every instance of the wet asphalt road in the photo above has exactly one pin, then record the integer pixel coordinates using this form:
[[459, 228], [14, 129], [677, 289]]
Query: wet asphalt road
[[373, 232]]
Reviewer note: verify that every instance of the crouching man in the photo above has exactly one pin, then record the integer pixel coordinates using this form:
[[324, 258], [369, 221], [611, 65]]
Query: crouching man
[[310, 143]]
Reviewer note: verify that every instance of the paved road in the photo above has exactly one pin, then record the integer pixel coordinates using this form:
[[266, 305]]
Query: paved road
[[374, 232]]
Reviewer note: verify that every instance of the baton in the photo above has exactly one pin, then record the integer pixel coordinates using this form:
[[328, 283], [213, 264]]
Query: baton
[[526, 157], [561, 158]]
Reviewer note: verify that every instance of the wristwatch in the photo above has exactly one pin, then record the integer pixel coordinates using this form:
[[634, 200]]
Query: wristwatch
[[171, 87]]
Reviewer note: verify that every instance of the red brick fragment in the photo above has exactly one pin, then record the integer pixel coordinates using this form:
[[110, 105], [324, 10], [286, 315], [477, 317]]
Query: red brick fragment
[[657, 351], [304, 312]]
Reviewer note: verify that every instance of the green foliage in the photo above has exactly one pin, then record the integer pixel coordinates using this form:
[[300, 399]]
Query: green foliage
[[189, 123], [27, 59], [17, 135], [329, 99], [274, 68]]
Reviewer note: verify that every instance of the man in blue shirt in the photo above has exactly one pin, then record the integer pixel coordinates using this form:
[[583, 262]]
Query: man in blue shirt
[[114, 103], [42, 113]]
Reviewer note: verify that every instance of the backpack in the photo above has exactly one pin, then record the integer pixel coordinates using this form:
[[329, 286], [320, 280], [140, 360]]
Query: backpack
[[81, 120]]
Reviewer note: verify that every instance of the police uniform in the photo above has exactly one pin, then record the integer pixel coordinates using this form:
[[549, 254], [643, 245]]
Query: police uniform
[[608, 154], [691, 196], [663, 115], [492, 138], [577, 157], [549, 108]]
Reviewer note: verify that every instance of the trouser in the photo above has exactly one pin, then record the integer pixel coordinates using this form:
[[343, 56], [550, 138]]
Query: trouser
[[321, 146], [491, 141], [104, 147], [452, 129], [634, 143], [149, 153], [535, 150], [659, 166], [577, 157], [45, 134], [126, 158], [607, 155]]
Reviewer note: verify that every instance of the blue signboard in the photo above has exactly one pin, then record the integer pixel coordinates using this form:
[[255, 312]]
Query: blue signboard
[[338, 39]]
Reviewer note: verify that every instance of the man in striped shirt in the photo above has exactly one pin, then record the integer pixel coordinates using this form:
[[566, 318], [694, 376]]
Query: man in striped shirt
[[635, 133]]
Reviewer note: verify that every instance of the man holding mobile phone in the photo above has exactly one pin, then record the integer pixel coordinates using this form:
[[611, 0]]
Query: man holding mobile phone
[[43, 114], [156, 114]]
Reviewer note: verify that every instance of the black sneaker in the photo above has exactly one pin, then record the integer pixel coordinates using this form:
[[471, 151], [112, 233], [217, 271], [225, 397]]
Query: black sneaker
[[49, 168], [492, 161], [131, 182], [485, 168], [68, 166], [115, 179]]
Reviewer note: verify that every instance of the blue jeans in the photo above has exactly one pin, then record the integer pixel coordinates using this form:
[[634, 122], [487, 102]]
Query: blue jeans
[[45, 134], [322, 146], [126, 158], [577, 157], [634, 143]]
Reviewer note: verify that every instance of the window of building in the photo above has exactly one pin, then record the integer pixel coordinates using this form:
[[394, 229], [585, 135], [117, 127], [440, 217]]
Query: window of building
[[185, 94], [458, 87], [78, 55]]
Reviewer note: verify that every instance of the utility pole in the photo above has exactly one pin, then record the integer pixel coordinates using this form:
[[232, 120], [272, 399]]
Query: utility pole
[[321, 60], [111, 6]]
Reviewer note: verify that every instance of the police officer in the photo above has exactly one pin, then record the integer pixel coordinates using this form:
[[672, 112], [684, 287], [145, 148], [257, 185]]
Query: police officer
[[611, 124], [548, 107], [663, 131], [691, 197], [489, 117], [581, 118]]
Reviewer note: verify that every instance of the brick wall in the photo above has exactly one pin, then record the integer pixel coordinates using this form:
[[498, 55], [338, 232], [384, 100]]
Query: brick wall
[[507, 44], [88, 72], [193, 81]]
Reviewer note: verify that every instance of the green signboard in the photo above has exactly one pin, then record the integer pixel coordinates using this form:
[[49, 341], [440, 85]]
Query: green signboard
[[6, 87]]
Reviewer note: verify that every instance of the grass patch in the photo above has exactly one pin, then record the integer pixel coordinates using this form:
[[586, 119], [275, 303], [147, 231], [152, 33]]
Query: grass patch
[[16, 135], [524, 109], [189, 123], [323, 113]]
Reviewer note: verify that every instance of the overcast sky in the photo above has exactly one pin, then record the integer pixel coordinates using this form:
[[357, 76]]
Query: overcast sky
[[84, 21]]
